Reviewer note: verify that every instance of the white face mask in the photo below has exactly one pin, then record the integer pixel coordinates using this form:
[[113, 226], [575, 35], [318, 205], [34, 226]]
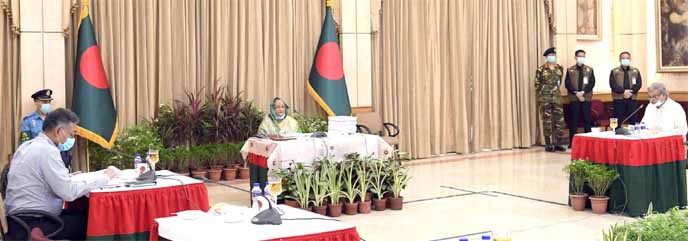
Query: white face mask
[[580, 60]]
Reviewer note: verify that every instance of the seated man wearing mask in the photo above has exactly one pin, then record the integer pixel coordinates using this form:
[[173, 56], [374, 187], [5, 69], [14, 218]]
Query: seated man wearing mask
[[39, 181], [277, 121], [664, 114]]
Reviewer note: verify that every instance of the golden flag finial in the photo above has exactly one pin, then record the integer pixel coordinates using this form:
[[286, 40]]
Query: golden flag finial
[[329, 3]]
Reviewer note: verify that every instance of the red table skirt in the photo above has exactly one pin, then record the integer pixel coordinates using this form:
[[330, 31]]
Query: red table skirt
[[117, 214], [339, 235], [257, 160], [641, 152]]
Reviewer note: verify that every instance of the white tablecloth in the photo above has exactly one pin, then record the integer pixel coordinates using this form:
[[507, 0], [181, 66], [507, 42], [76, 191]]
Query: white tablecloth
[[165, 179], [305, 149], [210, 227]]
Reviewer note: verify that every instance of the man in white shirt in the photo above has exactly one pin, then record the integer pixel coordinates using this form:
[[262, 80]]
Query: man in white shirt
[[664, 114]]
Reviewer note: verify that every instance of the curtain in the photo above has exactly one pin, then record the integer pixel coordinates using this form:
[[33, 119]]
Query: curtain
[[9, 79], [457, 76], [155, 50]]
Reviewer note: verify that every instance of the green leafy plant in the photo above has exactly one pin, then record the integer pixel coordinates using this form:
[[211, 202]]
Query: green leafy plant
[[670, 226], [363, 176], [398, 176], [310, 124], [350, 181], [578, 173], [135, 139], [320, 187], [600, 177], [333, 172], [379, 174], [288, 183], [302, 179], [249, 121]]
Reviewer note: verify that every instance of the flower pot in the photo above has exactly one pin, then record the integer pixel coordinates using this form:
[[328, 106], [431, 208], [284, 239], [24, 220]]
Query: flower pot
[[322, 210], [215, 174], [380, 204], [350, 208], [364, 207], [335, 210], [291, 203], [396, 203], [243, 173], [578, 201], [198, 173], [229, 174], [599, 204]]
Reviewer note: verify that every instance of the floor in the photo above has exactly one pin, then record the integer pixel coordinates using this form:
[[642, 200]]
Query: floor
[[522, 192]]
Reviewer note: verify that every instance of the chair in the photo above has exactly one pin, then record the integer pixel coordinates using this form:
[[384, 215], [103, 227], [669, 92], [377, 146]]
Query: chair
[[371, 123], [600, 114], [32, 234]]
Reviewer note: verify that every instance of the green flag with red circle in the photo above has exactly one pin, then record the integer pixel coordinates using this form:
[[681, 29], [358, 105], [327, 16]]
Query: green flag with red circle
[[326, 83], [92, 100]]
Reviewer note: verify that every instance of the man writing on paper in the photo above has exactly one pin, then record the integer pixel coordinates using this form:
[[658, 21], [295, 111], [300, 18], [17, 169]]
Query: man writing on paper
[[664, 114], [39, 181]]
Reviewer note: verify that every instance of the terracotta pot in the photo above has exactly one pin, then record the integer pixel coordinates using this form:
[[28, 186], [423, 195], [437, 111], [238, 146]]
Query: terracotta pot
[[215, 174], [350, 208], [291, 203], [243, 173], [599, 204], [380, 204], [335, 210], [198, 173], [396, 203], [364, 207], [322, 210], [229, 174], [578, 201]]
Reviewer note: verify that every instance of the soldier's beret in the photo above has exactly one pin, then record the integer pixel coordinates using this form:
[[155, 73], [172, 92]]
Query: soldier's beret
[[549, 51]]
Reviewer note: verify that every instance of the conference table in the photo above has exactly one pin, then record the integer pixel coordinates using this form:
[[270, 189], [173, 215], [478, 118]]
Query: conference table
[[264, 154], [124, 212], [296, 225], [652, 169]]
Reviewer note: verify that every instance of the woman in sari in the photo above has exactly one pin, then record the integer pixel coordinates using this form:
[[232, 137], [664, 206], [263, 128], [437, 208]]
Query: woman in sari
[[277, 122]]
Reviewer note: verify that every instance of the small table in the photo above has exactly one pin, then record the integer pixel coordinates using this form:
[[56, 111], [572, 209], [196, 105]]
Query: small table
[[311, 226], [265, 154], [652, 169], [127, 213]]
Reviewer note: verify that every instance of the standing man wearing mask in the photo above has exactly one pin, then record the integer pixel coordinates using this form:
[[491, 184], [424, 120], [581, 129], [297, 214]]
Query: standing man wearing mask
[[547, 81], [580, 80], [625, 82], [32, 124]]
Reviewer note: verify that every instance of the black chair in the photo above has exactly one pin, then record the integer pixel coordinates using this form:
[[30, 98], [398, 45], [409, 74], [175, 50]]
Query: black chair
[[371, 123]]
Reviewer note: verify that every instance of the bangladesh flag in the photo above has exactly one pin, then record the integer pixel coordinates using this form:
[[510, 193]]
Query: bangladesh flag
[[326, 81], [92, 100]]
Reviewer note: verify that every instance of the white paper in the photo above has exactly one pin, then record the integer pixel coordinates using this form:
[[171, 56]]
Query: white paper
[[633, 81], [585, 80]]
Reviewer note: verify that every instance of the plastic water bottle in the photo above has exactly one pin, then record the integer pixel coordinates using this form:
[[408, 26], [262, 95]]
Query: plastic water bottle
[[463, 239], [255, 193], [137, 159], [267, 194], [486, 237]]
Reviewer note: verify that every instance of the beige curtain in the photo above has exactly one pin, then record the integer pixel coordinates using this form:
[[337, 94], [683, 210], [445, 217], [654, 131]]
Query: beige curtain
[[457, 76], [154, 50], [9, 79]]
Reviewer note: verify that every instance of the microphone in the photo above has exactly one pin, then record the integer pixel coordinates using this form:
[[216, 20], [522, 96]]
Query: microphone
[[622, 131]]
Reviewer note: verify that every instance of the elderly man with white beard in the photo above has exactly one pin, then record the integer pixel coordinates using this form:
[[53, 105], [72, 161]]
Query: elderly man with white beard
[[664, 114]]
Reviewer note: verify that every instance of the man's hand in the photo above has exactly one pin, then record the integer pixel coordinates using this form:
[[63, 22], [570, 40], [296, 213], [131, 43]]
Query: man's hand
[[628, 94], [581, 98], [111, 172]]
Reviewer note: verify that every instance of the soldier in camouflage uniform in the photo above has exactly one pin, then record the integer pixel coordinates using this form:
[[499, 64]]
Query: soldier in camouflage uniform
[[547, 81]]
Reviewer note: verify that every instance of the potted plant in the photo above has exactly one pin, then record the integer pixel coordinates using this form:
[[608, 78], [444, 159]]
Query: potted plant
[[378, 176], [398, 180], [244, 171], [229, 173], [577, 171], [363, 179], [302, 193], [210, 157], [288, 184], [196, 161], [334, 186], [319, 186], [181, 161], [600, 178], [350, 187]]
